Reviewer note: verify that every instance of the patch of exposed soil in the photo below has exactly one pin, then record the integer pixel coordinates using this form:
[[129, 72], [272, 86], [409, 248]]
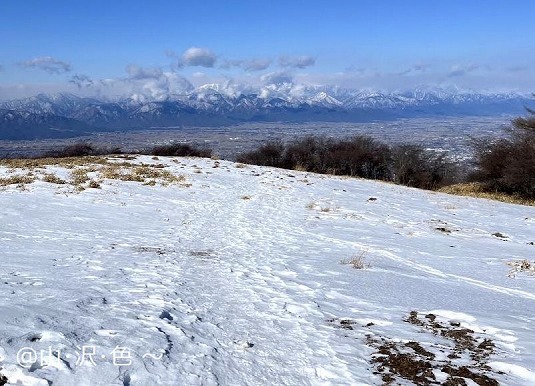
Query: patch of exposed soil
[[416, 362]]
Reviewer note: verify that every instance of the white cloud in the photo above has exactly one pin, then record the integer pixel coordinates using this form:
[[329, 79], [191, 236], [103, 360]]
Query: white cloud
[[297, 61], [415, 69], [81, 80], [462, 70], [48, 64], [196, 56], [137, 72], [157, 87], [150, 82], [248, 65], [256, 64], [278, 77]]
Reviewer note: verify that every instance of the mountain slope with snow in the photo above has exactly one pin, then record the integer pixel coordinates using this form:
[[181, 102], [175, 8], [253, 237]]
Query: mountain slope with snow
[[231, 274]]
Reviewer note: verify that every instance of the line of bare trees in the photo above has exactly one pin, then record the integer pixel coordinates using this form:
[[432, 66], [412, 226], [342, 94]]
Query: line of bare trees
[[358, 156], [508, 165], [504, 165]]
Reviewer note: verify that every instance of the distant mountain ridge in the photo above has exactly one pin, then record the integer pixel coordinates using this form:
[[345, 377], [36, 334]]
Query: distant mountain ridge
[[68, 115]]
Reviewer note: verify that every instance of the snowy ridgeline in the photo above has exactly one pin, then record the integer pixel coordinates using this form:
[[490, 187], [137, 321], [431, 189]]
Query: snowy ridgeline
[[196, 271]]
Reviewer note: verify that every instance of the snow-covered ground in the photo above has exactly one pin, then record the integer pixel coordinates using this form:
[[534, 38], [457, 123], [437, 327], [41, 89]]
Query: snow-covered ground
[[242, 275]]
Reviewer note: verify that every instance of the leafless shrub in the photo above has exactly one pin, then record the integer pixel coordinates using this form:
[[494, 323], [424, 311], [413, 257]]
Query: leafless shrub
[[180, 150], [508, 164], [268, 154], [306, 154], [358, 156], [412, 165], [81, 149]]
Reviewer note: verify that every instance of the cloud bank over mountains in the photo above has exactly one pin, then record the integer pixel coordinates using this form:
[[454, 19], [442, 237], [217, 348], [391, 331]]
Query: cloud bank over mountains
[[196, 56], [195, 67], [47, 64]]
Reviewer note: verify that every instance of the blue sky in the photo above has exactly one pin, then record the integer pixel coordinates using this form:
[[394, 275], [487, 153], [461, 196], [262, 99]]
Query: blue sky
[[52, 45]]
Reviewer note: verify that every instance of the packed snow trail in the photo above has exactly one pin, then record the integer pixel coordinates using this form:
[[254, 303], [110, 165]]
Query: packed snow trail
[[237, 279]]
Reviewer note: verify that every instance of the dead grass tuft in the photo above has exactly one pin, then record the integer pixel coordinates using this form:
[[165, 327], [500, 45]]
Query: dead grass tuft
[[114, 168], [521, 266], [17, 179], [146, 174], [53, 179], [79, 176], [94, 184], [357, 261], [68, 162], [301, 168]]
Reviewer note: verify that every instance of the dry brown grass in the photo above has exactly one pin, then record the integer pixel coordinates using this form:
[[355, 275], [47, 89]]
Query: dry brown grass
[[79, 176], [475, 189], [300, 168], [357, 261], [116, 172], [94, 184], [53, 179], [68, 162], [115, 168], [149, 175], [521, 266], [17, 179]]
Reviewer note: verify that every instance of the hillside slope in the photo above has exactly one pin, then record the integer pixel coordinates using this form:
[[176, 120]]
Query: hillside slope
[[233, 274]]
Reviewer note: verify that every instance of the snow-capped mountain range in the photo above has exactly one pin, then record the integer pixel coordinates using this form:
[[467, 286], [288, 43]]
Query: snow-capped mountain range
[[64, 115]]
